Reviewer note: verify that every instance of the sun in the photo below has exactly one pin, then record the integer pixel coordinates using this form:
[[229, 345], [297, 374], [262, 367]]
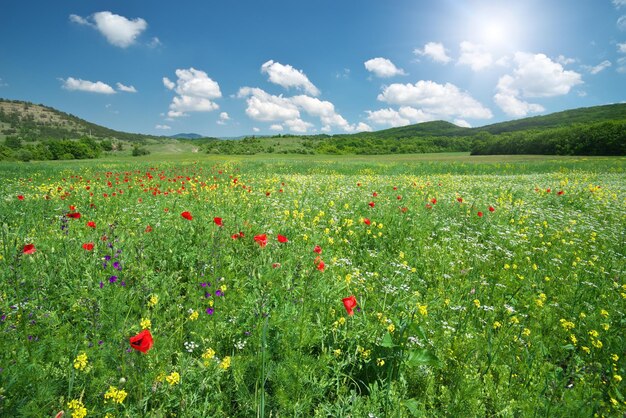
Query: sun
[[494, 33]]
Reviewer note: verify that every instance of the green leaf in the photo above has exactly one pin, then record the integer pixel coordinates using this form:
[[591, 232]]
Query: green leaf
[[387, 341], [421, 357], [413, 406], [568, 347]]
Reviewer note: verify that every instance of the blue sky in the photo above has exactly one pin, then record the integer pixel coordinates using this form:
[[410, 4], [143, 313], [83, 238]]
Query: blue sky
[[234, 67]]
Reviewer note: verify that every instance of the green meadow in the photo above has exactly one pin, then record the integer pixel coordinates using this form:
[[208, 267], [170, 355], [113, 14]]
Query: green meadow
[[195, 285]]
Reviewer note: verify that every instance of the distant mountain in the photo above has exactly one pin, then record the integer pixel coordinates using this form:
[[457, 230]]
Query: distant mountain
[[186, 136]]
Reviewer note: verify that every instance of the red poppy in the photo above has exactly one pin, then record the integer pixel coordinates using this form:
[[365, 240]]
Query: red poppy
[[148, 229], [72, 208], [88, 246], [91, 224], [548, 190], [560, 192], [492, 209], [29, 249], [186, 215], [459, 199], [433, 201], [275, 265], [349, 303], [261, 239], [429, 206], [142, 341], [234, 236], [282, 239], [321, 266], [317, 249], [367, 221], [374, 194], [480, 214], [20, 197], [371, 204], [74, 215], [218, 221]]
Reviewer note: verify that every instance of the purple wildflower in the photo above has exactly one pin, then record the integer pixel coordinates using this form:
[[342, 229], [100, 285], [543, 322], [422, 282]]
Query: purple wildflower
[[218, 293], [112, 279], [101, 284], [210, 311], [117, 266]]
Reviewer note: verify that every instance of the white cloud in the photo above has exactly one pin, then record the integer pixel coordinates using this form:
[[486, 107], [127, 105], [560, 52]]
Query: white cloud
[[324, 110], [441, 100], [563, 60], [434, 50], [79, 20], [255, 129], [169, 84], [74, 84], [265, 107], [298, 125], [363, 127], [223, 118], [507, 99], [127, 89], [287, 76], [621, 62], [196, 92], [619, 3], [276, 127], [154, 42], [163, 127], [598, 68], [475, 55], [118, 30], [536, 75], [621, 22], [406, 115], [462, 123], [382, 67], [621, 48]]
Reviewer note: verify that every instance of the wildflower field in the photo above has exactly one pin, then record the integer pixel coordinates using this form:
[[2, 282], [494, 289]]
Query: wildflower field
[[313, 288]]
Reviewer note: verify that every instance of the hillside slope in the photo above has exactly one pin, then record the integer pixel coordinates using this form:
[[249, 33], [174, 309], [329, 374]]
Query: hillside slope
[[36, 121]]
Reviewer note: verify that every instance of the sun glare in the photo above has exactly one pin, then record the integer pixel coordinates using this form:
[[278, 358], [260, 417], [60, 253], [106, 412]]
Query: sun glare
[[494, 27]]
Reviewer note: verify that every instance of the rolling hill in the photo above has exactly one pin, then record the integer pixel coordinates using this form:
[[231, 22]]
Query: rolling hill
[[588, 126]]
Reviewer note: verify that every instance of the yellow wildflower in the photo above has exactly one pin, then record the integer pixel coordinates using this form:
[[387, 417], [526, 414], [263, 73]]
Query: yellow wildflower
[[80, 362], [145, 323], [423, 309], [173, 378], [78, 409], [115, 394], [225, 363], [152, 302], [193, 316]]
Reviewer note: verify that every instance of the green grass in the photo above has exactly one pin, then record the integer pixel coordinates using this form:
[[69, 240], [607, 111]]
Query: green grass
[[518, 312]]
